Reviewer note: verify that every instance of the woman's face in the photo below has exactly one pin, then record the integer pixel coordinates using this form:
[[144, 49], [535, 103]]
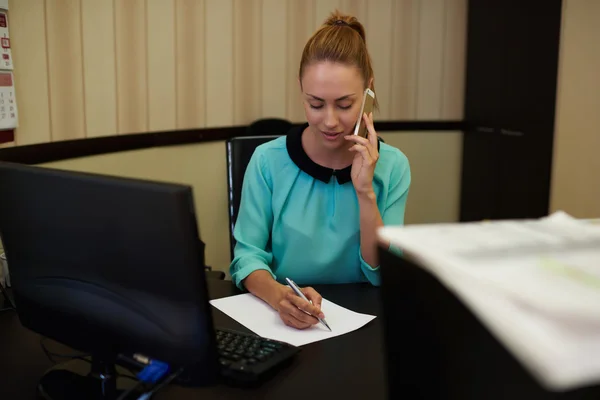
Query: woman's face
[[332, 97]]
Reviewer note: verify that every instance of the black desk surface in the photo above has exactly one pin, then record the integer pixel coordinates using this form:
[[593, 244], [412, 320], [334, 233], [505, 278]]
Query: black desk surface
[[341, 367]]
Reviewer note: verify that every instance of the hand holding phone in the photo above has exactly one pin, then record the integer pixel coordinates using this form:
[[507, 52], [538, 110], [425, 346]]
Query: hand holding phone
[[367, 107]]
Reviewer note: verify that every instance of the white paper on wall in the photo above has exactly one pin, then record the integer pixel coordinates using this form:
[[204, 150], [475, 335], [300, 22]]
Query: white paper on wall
[[8, 103]]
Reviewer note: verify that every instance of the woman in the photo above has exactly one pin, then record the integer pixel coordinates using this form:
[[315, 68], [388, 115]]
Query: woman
[[313, 200]]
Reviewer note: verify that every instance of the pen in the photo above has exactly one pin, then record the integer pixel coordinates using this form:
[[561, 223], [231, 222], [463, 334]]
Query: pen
[[296, 289]]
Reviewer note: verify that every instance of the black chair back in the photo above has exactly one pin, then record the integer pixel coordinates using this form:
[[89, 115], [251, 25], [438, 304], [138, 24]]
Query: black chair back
[[239, 152]]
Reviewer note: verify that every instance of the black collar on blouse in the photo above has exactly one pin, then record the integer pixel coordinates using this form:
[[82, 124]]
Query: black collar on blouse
[[303, 161]]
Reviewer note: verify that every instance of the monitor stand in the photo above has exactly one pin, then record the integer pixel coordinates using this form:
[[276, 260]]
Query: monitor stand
[[80, 379]]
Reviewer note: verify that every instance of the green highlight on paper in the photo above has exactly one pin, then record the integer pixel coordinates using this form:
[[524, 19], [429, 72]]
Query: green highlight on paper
[[571, 272]]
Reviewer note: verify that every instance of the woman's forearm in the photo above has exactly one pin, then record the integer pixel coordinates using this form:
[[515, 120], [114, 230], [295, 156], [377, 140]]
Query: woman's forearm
[[261, 284], [370, 221]]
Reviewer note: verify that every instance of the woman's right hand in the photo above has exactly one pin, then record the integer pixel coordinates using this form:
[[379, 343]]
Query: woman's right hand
[[296, 312]]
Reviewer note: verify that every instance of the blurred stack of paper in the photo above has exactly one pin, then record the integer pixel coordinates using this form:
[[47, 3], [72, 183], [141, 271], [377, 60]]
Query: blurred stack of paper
[[534, 283]]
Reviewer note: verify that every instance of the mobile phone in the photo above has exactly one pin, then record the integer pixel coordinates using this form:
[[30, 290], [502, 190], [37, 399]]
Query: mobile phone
[[367, 106]]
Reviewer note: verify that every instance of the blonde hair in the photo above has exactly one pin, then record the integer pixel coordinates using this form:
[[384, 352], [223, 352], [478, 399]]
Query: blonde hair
[[341, 39]]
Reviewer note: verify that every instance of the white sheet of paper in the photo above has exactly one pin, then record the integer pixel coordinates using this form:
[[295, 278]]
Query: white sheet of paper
[[550, 263], [535, 283], [261, 319]]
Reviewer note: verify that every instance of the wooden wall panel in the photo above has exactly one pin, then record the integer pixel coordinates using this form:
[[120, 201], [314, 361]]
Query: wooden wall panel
[[65, 66], [190, 64], [379, 45], [430, 59], [247, 60], [405, 57], [359, 9], [575, 187], [454, 53], [322, 10], [160, 33], [27, 24], [102, 67], [219, 62], [99, 67], [132, 66], [300, 26], [274, 58]]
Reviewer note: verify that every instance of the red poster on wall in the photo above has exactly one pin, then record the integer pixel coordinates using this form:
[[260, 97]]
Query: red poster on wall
[[5, 52]]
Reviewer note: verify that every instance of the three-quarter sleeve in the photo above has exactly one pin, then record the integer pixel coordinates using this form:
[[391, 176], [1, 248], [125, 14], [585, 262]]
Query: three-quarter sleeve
[[393, 211], [254, 221], [395, 206]]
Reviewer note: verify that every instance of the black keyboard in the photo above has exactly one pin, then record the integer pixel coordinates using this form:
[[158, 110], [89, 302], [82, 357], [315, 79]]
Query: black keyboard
[[246, 358]]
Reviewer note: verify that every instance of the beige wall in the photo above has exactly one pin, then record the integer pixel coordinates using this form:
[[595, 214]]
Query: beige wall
[[434, 156], [87, 68], [576, 168]]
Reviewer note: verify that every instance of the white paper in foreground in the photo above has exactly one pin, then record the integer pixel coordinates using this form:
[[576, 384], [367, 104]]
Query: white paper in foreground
[[261, 319], [534, 283]]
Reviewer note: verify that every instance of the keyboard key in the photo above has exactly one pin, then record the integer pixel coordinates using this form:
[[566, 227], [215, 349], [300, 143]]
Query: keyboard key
[[245, 356], [224, 362], [238, 367]]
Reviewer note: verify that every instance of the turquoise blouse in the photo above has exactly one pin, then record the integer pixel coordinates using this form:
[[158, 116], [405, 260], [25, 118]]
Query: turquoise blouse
[[300, 220]]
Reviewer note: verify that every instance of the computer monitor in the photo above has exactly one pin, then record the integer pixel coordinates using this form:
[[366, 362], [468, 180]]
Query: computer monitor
[[108, 266]]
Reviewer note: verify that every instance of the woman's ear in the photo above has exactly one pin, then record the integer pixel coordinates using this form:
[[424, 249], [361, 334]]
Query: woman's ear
[[370, 83]]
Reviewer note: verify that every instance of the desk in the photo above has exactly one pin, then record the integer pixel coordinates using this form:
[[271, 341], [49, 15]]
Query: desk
[[341, 367]]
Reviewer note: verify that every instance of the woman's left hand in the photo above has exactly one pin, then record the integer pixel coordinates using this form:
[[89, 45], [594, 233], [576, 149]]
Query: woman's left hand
[[365, 159]]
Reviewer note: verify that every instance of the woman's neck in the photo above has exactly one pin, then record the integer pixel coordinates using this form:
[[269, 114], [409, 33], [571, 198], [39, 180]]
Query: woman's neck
[[339, 158]]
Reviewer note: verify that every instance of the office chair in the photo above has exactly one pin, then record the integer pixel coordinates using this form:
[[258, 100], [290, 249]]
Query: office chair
[[239, 152]]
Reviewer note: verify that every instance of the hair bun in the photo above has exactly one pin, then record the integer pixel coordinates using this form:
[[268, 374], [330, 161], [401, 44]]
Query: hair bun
[[334, 42], [336, 18]]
